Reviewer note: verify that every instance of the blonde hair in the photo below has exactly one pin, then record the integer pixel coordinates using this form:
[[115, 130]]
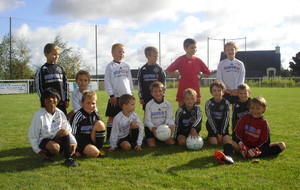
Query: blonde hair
[[156, 84], [231, 43], [189, 91], [243, 86], [113, 47], [83, 72], [88, 94], [258, 101]]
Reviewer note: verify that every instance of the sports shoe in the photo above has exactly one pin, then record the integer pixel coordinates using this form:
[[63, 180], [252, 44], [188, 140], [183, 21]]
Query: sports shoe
[[243, 149], [253, 152], [101, 154], [222, 158], [70, 162]]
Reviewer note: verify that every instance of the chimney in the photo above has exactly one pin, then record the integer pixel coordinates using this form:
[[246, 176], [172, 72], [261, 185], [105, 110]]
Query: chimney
[[277, 49]]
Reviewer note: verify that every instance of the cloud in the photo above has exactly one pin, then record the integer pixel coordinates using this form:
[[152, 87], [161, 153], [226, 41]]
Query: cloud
[[8, 5]]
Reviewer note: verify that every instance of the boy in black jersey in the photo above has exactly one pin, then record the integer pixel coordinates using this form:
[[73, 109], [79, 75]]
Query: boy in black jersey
[[188, 118], [88, 128], [149, 73], [53, 75]]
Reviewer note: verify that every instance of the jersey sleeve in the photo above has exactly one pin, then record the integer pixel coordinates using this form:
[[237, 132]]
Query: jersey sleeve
[[174, 66], [34, 133], [147, 119], [169, 116], [39, 82], [140, 83], [210, 119], [66, 86], [75, 101], [107, 81], [197, 123], [226, 118]]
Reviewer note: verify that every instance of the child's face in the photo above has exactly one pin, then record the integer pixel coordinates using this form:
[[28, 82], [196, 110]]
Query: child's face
[[158, 93], [89, 104], [191, 50], [53, 56], [82, 81], [118, 53], [217, 93], [152, 58], [243, 95], [189, 100], [129, 107], [230, 52], [50, 104], [256, 110]]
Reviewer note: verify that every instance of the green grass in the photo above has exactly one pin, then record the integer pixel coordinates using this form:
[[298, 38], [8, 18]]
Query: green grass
[[162, 167]]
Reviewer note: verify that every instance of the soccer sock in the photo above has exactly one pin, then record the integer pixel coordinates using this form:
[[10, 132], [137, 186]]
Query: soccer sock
[[228, 150], [108, 130], [100, 135], [134, 135], [65, 146]]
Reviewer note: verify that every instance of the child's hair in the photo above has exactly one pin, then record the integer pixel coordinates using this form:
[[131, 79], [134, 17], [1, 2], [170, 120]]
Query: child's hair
[[116, 45], [218, 84], [49, 47], [231, 43], [243, 86], [188, 41], [258, 101], [149, 50], [189, 91], [49, 92], [125, 99], [156, 84], [83, 72], [88, 94]]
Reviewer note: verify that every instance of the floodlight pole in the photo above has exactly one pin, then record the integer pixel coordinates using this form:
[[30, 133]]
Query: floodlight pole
[[96, 39]]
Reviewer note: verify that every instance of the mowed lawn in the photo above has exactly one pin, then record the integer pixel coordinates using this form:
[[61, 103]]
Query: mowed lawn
[[162, 167]]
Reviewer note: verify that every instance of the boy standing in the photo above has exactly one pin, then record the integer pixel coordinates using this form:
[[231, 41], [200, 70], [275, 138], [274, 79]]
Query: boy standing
[[190, 68], [118, 81], [53, 75], [127, 131], [188, 118], [231, 72], [88, 128], [158, 112], [149, 73]]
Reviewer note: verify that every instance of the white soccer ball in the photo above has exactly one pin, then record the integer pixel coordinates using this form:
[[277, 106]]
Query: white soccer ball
[[163, 132], [194, 143]]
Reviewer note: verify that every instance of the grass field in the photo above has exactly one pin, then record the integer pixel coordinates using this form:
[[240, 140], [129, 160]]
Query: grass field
[[162, 167]]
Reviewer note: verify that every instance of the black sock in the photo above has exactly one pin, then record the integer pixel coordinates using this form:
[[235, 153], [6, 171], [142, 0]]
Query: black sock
[[65, 146], [228, 150], [100, 135], [134, 135], [108, 130]]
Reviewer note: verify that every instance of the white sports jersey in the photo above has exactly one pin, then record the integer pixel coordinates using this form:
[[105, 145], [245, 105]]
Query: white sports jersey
[[121, 126], [118, 79], [157, 114], [46, 125], [231, 73], [76, 99]]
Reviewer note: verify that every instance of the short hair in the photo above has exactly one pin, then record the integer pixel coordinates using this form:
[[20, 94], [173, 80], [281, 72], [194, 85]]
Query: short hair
[[189, 91], [231, 43], [113, 47], [218, 84], [188, 41], [156, 84], [125, 99], [88, 94], [243, 86], [49, 92], [83, 72], [50, 47], [258, 101], [149, 50]]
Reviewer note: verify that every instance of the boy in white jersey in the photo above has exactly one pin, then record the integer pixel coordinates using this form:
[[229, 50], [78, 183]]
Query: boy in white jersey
[[158, 112], [231, 72], [118, 81], [127, 131]]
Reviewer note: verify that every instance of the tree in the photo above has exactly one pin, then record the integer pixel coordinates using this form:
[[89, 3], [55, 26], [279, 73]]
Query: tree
[[285, 72], [295, 66], [14, 61]]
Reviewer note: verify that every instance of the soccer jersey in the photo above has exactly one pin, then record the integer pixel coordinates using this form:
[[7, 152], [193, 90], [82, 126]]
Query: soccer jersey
[[238, 110], [157, 114], [121, 128], [231, 73], [118, 79], [189, 70], [253, 132], [52, 75], [185, 120], [146, 75], [46, 125], [217, 116]]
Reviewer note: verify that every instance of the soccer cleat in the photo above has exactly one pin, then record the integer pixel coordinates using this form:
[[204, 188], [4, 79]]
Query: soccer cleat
[[101, 154], [253, 152], [243, 149], [222, 158], [71, 162]]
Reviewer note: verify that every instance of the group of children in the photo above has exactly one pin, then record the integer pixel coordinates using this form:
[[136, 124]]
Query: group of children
[[85, 132]]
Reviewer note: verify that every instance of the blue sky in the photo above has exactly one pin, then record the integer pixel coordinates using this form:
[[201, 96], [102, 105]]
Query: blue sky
[[137, 23]]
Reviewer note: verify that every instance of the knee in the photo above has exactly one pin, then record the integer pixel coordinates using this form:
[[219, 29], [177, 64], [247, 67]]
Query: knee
[[99, 126], [126, 147], [53, 148], [134, 125], [282, 145], [62, 132]]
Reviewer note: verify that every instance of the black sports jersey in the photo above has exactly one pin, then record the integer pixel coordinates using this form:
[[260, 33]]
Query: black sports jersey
[[239, 109], [52, 75], [217, 116], [186, 120], [146, 75]]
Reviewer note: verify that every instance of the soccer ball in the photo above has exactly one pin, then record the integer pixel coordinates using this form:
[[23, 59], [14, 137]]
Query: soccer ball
[[163, 132], [194, 143]]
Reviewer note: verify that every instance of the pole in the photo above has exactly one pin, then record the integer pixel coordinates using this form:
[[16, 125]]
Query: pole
[[208, 52], [159, 48], [10, 70], [96, 49]]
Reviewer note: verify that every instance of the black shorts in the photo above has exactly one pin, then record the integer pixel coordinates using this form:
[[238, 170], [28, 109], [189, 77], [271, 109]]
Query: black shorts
[[148, 133], [112, 111], [231, 99], [127, 138], [211, 133], [82, 142], [185, 132]]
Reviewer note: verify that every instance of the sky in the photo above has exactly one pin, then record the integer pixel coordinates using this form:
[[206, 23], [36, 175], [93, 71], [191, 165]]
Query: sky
[[254, 25]]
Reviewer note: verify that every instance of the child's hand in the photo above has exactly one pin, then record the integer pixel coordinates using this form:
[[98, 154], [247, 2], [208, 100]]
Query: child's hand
[[172, 128], [73, 148], [43, 153], [193, 133], [66, 104], [154, 131], [233, 93], [138, 148], [111, 149], [113, 101], [142, 101], [219, 137]]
